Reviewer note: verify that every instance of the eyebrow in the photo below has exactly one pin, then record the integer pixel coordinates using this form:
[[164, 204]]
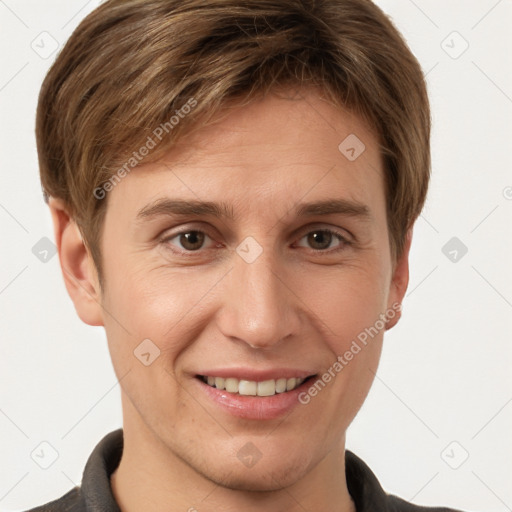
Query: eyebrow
[[174, 207]]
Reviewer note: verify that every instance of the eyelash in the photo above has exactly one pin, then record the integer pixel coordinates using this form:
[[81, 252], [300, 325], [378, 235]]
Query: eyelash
[[344, 242]]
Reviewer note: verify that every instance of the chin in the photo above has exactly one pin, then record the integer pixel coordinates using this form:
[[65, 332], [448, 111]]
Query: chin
[[262, 477], [249, 481]]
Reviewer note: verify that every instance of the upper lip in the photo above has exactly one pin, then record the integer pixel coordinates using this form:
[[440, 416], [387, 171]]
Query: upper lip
[[257, 375]]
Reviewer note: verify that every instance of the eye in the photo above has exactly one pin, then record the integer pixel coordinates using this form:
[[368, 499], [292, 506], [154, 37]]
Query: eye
[[189, 241], [322, 239]]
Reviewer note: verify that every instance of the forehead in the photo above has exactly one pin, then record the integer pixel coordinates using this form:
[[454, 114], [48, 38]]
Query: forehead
[[274, 150]]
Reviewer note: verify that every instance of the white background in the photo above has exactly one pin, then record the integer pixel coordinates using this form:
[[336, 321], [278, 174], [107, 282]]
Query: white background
[[445, 370]]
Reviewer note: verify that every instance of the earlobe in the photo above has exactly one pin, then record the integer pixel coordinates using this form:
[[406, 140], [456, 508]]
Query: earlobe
[[78, 270], [399, 282]]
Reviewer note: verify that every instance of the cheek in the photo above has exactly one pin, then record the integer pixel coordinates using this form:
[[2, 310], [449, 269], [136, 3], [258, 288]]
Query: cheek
[[347, 301], [158, 303]]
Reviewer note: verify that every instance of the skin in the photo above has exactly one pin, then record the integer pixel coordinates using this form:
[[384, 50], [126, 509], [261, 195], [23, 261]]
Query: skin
[[297, 305]]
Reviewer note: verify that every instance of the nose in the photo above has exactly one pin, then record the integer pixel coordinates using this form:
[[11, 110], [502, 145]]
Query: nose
[[258, 307]]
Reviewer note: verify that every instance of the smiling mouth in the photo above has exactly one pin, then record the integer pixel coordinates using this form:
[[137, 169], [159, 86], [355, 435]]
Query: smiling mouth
[[252, 388]]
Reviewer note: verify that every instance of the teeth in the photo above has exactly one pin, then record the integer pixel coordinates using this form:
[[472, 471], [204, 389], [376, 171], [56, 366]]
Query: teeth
[[267, 388], [253, 388], [247, 387], [219, 383], [231, 385], [280, 385]]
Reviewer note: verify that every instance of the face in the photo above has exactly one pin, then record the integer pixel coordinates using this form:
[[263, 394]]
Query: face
[[255, 254]]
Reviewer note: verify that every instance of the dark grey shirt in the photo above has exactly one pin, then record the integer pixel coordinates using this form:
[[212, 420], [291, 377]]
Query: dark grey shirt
[[95, 493]]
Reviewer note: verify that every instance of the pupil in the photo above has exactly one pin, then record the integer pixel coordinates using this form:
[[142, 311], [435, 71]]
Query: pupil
[[323, 238], [192, 240]]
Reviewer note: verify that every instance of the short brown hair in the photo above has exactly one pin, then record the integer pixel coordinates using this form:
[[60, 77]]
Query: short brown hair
[[131, 65]]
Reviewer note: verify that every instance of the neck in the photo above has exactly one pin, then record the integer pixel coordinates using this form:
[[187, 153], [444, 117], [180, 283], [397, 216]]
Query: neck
[[152, 478]]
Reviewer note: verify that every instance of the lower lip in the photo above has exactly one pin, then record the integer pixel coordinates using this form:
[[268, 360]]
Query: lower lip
[[254, 407]]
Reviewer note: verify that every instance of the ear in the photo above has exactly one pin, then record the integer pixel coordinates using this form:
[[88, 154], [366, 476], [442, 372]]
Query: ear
[[399, 282], [78, 269]]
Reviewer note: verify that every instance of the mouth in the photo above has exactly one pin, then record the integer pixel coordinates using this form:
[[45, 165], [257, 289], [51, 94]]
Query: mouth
[[252, 395], [264, 388]]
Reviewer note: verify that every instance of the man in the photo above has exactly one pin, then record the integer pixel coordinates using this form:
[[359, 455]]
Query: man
[[233, 190]]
